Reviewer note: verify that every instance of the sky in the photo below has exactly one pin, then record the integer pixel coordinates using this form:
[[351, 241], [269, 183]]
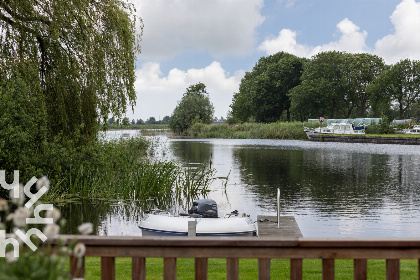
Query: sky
[[216, 41]]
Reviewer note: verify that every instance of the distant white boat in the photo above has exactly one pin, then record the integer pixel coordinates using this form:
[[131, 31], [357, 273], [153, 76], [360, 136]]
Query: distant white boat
[[414, 130], [336, 128], [204, 214]]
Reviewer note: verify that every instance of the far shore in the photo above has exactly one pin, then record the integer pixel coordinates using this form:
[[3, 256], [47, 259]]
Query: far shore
[[279, 130]]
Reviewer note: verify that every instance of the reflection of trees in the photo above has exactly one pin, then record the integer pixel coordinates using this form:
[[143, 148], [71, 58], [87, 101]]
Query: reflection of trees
[[96, 211], [330, 181], [192, 152]]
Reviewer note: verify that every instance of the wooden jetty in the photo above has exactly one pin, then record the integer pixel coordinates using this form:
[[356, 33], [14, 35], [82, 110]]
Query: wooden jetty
[[267, 227]]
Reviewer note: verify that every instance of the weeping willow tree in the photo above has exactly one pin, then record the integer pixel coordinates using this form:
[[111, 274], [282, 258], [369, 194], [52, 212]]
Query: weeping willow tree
[[84, 52]]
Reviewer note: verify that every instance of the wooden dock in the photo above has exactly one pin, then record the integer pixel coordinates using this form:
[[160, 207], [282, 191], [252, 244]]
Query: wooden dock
[[267, 227]]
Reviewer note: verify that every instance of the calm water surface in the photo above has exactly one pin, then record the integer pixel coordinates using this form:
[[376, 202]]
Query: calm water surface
[[332, 189]]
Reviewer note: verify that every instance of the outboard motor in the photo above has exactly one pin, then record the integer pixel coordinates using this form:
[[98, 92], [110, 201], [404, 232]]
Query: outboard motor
[[206, 208]]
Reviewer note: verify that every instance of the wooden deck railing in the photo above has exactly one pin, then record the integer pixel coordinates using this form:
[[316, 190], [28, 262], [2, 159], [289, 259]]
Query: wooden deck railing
[[202, 248]]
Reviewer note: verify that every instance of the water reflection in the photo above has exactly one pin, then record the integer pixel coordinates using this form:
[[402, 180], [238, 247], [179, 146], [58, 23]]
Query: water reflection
[[333, 189], [109, 217]]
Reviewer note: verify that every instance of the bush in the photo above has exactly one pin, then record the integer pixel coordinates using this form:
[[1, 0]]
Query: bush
[[383, 127]]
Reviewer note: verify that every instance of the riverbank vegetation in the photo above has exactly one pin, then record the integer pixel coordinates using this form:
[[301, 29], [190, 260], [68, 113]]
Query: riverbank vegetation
[[278, 130], [119, 168], [292, 130]]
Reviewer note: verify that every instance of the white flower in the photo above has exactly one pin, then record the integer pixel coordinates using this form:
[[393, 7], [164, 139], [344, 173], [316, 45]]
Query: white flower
[[10, 257], [85, 228], [55, 214], [20, 215], [79, 250], [4, 206], [51, 231], [42, 182], [19, 198]]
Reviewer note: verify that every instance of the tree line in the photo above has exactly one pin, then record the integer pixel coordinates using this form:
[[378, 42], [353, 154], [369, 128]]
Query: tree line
[[126, 121], [283, 87]]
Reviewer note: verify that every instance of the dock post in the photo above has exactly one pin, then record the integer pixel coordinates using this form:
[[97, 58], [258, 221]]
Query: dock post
[[278, 207], [192, 229]]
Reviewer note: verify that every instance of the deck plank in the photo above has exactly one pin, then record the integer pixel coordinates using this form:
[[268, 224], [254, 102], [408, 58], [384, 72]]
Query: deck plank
[[267, 227]]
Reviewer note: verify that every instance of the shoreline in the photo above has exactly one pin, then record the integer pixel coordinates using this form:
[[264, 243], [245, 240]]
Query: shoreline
[[365, 139], [289, 131]]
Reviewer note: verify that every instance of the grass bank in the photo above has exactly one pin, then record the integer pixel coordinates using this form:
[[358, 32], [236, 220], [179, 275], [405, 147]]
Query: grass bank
[[279, 130], [248, 269]]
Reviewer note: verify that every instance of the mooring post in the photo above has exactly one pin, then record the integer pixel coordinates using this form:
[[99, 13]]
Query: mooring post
[[278, 207], [192, 229]]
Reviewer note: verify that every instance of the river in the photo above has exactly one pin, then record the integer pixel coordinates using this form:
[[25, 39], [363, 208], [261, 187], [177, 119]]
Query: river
[[332, 189]]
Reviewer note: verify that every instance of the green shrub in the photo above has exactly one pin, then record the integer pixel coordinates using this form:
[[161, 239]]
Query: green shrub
[[383, 127]]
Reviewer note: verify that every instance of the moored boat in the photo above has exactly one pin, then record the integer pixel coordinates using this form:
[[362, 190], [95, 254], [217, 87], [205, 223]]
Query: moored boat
[[204, 214], [337, 128], [414, 130]]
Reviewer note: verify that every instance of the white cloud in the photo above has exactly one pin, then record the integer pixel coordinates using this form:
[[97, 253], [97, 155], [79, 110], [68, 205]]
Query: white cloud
[[157, 95], [351, 40], [219, 26], [405, 41], [286, 41]]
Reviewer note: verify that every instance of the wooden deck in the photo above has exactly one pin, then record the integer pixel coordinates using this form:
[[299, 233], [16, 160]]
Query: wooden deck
[[267, 227], [232, 249]]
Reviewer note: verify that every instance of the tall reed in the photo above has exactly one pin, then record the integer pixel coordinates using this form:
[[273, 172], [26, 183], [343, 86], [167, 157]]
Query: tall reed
[[279, 130], [121, 169]]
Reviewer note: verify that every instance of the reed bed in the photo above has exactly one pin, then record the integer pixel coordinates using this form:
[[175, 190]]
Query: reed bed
[[279, 130], [121, 169]]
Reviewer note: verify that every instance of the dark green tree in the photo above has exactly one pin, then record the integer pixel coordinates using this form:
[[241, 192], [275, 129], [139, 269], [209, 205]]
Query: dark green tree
[[263, 93], [364, 69], [84, 52], [334, 85], [151, 120], [165, 119], [324, 78], [125, 121], [195, 106], [241, 107], [308, 100], [398, 85]]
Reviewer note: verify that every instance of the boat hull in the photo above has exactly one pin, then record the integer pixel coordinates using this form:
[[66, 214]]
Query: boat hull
[[164, 225], [148, 232]]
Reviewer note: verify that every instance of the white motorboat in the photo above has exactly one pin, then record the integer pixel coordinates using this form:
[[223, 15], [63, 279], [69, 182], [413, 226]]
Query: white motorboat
[[414, 130], [204, 214], [337, 128]]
